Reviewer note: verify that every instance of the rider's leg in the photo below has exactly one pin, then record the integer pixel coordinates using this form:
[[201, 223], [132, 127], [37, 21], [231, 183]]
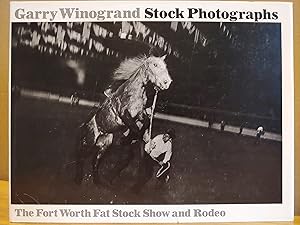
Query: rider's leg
[[163, 179]]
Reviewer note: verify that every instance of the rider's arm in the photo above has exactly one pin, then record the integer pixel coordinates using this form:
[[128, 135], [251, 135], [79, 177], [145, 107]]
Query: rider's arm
[[147, 147]]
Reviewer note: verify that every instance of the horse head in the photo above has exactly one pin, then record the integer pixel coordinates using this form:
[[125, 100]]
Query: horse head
[[157, 72]]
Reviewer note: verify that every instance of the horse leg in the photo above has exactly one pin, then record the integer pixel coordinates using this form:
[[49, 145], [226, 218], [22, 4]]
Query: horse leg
[[102, 144], [82, 153], [123, 162], [146, 168], [96, 163]]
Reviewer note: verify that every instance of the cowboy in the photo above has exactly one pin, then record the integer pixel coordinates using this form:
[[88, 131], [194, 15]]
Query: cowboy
[[259, 132], [159, 151], [222, 125], [242, 127], [74, 99]]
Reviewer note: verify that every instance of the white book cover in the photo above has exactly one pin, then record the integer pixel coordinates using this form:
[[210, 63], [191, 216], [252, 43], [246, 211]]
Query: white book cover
[[151, 112]]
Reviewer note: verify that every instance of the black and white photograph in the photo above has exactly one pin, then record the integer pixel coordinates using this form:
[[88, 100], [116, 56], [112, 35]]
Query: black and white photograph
[[225, 77], [146, 113]]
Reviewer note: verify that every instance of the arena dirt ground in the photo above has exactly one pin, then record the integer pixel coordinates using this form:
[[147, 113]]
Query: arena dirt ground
[[208, 166]]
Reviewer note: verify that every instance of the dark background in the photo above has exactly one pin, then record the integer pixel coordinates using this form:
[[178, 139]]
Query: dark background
[[237, 79]]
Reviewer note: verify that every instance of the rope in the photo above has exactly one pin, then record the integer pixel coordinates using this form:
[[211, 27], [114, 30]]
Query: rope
[[151, 117], [152, 112]]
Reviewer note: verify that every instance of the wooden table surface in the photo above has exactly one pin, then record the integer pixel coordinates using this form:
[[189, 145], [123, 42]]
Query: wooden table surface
[[4, 211]]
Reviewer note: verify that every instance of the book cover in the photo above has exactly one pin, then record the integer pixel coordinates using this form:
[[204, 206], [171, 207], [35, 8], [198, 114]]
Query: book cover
[[167, 111]]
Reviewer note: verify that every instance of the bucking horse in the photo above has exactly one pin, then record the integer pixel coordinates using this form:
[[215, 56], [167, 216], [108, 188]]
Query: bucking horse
[[124, 109]]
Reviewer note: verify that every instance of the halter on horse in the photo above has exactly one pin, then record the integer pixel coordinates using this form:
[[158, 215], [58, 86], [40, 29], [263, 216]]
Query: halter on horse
[[122, 110]]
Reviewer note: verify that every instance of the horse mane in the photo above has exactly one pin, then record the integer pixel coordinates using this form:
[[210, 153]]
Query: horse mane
[[128, 67]]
